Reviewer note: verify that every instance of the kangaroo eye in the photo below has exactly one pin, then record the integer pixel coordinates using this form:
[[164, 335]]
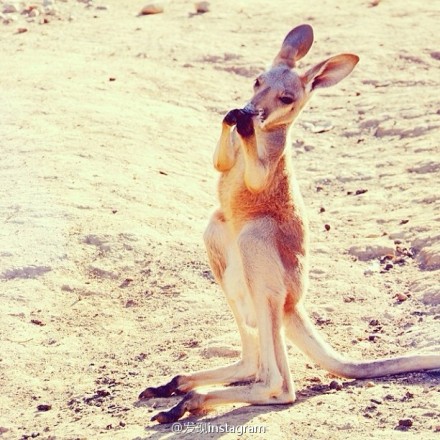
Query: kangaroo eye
[[257, 83], [286, 99]]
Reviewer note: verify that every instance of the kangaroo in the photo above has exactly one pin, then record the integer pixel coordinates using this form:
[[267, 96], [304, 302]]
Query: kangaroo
[[257, 245]]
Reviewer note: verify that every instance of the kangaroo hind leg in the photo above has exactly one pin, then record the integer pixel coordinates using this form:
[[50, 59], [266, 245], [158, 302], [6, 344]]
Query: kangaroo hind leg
[[223, 262]]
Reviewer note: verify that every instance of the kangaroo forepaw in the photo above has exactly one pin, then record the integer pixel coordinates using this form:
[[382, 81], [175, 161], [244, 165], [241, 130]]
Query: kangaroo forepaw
[[232, 116], [245, 124], [167, 390]]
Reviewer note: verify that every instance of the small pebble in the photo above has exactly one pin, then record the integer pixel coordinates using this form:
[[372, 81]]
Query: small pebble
[[44, 407], [407, 423], [21, 30], [153, 8], [370, 384], [360, 191], [401, 297], [335, 385], [327, 227], [201, 7]]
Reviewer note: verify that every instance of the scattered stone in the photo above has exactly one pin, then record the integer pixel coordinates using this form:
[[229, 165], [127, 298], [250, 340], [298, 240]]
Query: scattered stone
[[9, 8], [370, 252], [44, 407], [435, 55], [370, 384], [376, 401], [335, 385], [405, 423], [327, 227], [34, 13], [429, 257], [360, 191], [102, 8], [21, 30], [34, 434], [130, 303], [152, 8], [401, 297], [202, 7], [38, 322], [126, 283]]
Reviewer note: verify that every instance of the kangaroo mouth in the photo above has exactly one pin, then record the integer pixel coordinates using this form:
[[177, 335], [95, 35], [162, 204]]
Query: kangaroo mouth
[[261, 115], [259, 112]]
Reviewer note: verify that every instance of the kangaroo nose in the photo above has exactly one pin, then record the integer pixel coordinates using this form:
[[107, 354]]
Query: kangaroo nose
[[250, 108]]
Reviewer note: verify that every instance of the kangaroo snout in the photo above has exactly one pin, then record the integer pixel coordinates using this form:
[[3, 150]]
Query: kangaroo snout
[[250, 109]]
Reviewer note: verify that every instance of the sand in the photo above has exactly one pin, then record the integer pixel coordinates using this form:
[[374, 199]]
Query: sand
[[108, 125]]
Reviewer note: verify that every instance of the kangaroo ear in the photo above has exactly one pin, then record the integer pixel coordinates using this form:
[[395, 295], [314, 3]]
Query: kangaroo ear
[[296, 44], [329, 72]]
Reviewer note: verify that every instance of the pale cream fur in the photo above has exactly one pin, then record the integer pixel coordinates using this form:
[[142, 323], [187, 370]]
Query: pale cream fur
[[258, 246]]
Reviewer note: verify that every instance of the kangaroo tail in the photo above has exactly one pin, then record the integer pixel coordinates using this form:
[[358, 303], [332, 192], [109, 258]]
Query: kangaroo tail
[[303, 333]]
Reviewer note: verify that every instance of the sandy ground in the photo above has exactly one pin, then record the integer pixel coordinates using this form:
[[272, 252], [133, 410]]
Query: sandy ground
[[108, 125]]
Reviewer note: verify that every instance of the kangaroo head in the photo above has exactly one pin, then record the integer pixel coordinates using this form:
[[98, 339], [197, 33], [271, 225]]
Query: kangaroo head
[[280, 93]]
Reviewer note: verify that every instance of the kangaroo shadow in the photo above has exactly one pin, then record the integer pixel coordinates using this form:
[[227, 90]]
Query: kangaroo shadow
[[238, 420]]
